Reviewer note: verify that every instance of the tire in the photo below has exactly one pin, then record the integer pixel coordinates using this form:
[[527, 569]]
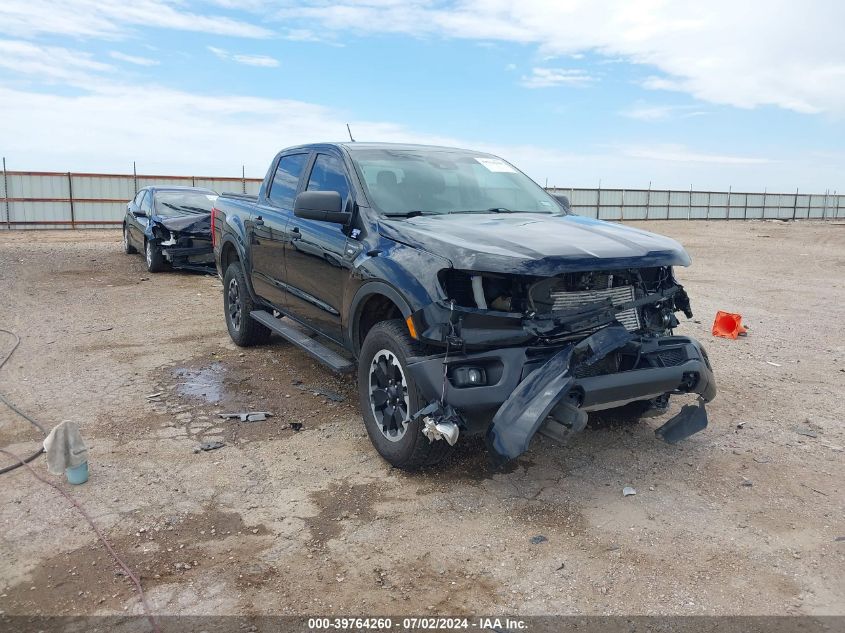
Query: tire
[[154, 258], [127, 245], [237, 304], [400, 442]]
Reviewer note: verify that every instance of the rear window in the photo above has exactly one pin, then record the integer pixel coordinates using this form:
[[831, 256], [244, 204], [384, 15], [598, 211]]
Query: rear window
[[286, 180]]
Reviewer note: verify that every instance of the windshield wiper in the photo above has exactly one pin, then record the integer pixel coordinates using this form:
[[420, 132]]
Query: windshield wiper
[[410, 214]]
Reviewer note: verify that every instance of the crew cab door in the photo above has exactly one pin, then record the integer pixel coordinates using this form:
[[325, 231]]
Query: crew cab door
[[267, 230], [315, 253]]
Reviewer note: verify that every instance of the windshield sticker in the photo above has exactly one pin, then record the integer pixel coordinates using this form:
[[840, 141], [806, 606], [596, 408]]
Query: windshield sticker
[[496, 164]]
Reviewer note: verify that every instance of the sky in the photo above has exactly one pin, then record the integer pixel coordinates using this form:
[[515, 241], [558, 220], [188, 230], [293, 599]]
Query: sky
[[747, 94]]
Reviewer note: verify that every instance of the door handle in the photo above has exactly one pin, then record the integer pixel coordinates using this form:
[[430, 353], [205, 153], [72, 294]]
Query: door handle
[[259, 221], [295, 234]]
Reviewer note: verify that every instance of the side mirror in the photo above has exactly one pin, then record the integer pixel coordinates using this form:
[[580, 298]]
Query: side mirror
[[139, 214], [325, 206], [563, 200]]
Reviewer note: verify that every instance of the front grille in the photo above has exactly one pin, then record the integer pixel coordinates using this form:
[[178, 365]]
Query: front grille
[[568, 301], [670, 357]]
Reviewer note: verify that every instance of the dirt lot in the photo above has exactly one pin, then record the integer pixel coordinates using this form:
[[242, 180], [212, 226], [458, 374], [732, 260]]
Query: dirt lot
[[744, 518]]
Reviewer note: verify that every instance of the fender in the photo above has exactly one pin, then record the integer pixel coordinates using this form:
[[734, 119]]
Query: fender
[[233, 234], [364, 292]]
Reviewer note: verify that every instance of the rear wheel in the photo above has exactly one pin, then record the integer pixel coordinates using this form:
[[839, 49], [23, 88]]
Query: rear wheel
[[127, 245], [389, 397], [153, 256], [237, 304]]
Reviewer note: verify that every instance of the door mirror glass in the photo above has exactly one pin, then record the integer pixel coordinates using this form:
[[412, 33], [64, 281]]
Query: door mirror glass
[[325, 206]]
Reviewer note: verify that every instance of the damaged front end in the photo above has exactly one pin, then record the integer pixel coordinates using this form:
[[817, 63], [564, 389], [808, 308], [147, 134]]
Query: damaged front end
[[185, 241], [522, 354]]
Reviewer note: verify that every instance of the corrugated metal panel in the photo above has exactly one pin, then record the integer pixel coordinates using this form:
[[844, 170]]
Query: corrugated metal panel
[[44, 197]]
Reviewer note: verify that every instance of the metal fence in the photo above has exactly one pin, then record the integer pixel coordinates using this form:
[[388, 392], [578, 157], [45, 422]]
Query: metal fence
[[54, 200], [31, 199], [654, 204]]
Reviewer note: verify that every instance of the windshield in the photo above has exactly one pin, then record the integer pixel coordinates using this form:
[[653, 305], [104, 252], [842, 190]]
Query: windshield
[[429, 181], [173, 203]]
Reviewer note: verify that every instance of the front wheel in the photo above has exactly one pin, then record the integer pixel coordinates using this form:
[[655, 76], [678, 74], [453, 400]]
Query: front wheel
[[389, 397], [127, 245], [155, 260], [237, 304]]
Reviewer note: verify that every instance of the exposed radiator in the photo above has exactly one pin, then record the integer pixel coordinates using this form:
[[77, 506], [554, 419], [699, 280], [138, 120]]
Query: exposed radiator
[[567, 301]]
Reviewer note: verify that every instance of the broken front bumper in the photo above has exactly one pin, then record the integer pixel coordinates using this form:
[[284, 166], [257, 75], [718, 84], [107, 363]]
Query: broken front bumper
[[524, 385]]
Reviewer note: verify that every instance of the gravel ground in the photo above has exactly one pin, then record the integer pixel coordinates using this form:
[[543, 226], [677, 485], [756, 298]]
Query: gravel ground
[[743, 518]]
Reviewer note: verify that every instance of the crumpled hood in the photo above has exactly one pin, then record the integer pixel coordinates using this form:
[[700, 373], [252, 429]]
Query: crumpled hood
[[193, 223], [534, 244]]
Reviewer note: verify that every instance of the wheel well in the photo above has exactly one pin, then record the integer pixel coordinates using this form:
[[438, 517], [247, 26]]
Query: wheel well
[[376, 308], [228, 256]]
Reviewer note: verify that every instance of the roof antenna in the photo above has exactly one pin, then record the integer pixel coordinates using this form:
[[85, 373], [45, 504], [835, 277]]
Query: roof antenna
[[350, 133]]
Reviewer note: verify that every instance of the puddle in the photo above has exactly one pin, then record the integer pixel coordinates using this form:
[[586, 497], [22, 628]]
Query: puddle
[[206, 383]]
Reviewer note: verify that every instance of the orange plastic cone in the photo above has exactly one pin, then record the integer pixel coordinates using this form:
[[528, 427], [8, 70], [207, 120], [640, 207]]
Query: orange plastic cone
[[728, 325]]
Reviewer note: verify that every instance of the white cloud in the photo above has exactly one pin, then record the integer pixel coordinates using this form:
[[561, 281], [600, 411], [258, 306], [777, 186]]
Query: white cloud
[[249, 60], [549, 77], [132, 59], [113, 18], [49, 63], [107, 125], [646, 112], [757, 52], [681, 154]]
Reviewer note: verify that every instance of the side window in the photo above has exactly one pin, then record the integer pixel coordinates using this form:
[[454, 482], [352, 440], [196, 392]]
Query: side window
[[147, 202], [328, 174], [138, 196], [286, 179]]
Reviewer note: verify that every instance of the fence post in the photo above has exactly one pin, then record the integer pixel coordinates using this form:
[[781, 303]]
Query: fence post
[[647, 200], [728, 208], [707, 214], [135, 177], [6, 197], [689, 203], [598, 202], [622, 208], [243, 177], [836, 195], [70, 199]]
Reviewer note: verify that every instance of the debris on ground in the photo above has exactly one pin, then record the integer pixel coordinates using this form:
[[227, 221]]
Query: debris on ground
[[247, 416], [296, 426], [839, 539], [747, 482], [327, 393], [334, 396], [209, 446], [536, 540], [768, 362], [740, 425], [153, 395], [805, 432], [627, 491]]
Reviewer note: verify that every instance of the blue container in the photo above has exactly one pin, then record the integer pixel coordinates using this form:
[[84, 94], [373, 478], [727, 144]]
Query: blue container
[[77, 474]]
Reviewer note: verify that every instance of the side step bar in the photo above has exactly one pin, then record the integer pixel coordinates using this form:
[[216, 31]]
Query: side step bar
[[332, 359]]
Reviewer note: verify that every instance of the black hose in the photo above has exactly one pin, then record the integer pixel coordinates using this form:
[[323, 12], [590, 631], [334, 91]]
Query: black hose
[[35, 423]]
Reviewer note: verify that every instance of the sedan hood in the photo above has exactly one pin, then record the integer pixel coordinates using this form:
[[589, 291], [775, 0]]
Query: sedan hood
[[193, 223], [534, 244]]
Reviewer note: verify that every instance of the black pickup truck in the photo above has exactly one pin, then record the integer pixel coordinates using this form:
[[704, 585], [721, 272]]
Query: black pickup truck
[[469, 299]]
